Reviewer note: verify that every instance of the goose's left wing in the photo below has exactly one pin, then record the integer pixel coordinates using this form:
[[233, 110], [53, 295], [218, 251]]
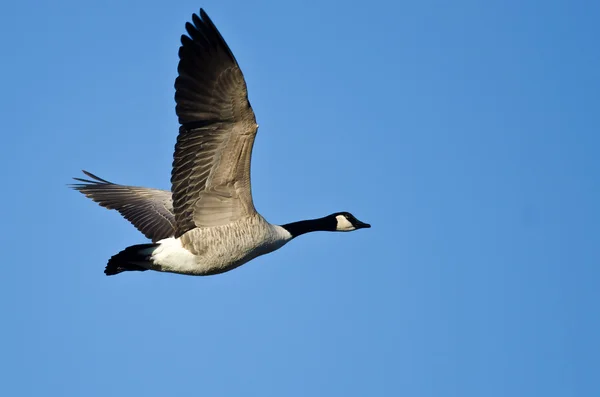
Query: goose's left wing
[[211, 167]]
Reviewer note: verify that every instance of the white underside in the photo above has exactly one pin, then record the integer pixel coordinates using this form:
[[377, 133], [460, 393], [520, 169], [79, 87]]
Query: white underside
[[171, 254]]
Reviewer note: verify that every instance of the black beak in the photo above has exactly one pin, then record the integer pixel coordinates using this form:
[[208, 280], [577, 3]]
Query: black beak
[[361, 225]]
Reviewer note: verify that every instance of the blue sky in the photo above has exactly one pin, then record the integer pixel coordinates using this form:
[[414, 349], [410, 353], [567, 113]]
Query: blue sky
[[467, 134]]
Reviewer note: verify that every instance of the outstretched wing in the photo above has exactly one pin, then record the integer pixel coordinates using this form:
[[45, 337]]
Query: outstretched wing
[[149, 210], [211, 167]]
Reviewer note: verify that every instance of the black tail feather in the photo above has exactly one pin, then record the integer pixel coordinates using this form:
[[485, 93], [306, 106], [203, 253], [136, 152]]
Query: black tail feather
[[136, 257]]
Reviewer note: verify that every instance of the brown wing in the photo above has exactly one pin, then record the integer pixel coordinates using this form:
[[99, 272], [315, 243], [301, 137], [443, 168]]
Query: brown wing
[[149, 210], [211, 167]]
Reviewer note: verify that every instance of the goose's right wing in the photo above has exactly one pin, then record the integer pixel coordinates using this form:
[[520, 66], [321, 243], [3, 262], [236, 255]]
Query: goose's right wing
[[149, 210]]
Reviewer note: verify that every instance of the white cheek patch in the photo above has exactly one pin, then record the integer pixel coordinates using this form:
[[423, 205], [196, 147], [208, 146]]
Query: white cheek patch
[[343, 224]]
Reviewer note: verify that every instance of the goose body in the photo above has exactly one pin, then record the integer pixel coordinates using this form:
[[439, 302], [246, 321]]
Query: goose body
[[207, 223], [213, 250]]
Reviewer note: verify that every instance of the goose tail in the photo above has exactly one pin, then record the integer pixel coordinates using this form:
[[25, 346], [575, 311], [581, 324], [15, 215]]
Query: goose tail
[[136, 257]]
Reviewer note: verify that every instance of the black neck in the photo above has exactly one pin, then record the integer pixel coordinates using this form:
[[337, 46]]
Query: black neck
[[326, 224]]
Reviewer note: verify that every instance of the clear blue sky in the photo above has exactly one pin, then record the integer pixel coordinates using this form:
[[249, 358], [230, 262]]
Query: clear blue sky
[[466, 133]]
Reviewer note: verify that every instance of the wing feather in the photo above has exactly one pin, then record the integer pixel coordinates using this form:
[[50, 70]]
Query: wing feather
[[210, 179], [149, 210]]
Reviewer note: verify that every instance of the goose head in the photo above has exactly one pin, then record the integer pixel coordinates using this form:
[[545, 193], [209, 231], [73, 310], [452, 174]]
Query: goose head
[[346, 222]]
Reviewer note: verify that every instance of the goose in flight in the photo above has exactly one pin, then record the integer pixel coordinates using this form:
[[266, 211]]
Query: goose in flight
[[207, 223]]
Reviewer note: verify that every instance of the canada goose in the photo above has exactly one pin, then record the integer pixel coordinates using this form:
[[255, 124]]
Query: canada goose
[[207, 224]]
